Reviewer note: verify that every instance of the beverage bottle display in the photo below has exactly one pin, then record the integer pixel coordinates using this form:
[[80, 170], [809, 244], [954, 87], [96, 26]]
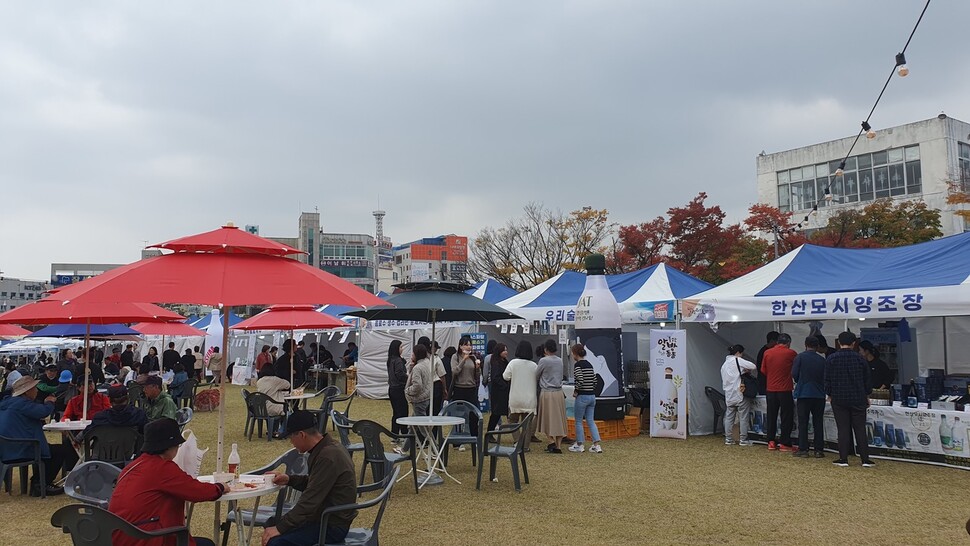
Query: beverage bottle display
[[234, 461], [946, 434], [598, 327], [668, 396], [958, 435], [912, 396]]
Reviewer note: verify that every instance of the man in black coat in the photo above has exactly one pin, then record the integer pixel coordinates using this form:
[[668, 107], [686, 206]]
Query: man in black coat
[[170, 357], [128, 356]]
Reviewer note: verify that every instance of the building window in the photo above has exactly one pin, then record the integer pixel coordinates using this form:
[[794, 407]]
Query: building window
[[964, 160], [866, 177]]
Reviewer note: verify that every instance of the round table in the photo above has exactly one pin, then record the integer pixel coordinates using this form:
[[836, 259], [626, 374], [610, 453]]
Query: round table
[[297, 398], [233, 498], [67, 426], [429, 447]]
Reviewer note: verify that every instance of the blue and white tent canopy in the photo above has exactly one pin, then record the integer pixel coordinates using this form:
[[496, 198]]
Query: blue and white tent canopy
[[647, 295], [819, 283], [491, 290]]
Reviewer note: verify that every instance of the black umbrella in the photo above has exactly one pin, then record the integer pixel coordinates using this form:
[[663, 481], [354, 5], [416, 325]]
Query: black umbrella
[[433, 302]]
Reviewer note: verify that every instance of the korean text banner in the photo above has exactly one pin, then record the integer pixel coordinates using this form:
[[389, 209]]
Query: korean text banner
[[668, 383]]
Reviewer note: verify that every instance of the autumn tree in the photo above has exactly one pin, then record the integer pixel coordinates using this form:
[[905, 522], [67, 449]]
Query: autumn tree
[[638, 246], [882, 223], [538, 245], [771, 223], [959, 192], [699, 243]]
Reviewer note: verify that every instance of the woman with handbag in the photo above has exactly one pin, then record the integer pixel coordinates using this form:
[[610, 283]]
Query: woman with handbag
[[739, 377]]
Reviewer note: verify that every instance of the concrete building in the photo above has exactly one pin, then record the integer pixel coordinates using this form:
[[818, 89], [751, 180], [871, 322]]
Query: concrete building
[[16, 292], [439, 258], [916, 161], [350, 256]]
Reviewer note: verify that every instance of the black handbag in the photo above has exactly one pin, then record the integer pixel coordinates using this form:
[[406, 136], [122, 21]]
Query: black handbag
[[749, 385]]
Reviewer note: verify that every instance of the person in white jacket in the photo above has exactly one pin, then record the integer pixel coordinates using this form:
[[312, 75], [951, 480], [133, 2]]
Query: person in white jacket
[[521, 372], [737, 404]]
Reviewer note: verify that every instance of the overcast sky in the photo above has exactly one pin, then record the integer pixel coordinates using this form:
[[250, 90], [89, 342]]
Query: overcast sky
[[127, 122]]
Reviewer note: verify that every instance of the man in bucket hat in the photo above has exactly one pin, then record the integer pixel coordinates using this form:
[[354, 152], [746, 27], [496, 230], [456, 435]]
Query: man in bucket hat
[[21, 417], [330, 482], [152, 490]]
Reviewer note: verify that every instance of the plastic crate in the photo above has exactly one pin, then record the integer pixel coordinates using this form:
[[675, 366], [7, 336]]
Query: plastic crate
[[627, 427]]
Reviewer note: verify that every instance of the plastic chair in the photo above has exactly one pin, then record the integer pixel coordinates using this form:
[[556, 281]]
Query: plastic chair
[[249, 414], [461, 434], [36, 461], [514, 453], [358, 535], [186, 396], [326, 404], [349, 398], [293, 462], [136, 394], [93, 526], [260, 414], [183, 416], [92, 482], [115, 445], [344, 426], [720, 406], [381, 461]]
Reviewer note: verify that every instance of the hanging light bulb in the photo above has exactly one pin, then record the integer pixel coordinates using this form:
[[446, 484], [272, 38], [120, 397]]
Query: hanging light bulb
[[840, 171], [870, 134], [901, 69]]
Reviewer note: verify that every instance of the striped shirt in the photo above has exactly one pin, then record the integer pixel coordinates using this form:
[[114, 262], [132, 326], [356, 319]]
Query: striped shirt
[[585, 377]]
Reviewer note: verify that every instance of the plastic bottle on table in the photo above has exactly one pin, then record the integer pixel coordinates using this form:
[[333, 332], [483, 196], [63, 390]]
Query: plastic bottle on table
[[234, 461]]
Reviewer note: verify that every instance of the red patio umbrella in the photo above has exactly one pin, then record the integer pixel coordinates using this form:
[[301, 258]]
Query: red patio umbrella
[[12, 330], [55, 311], [167, 329], [291, 317], [225, 267]]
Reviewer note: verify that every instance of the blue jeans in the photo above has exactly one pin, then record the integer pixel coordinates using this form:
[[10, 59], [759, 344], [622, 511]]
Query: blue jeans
[[309, 534], [584, 406]]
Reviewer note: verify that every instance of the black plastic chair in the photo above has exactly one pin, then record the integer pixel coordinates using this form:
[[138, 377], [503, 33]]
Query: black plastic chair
[[719, 404], [114, 445], [349, 398], [249, 414], [514, 453], [92, 482], [136, 394], [293, 462], [461, 434], [6, 468], [344, 427], [379, 460], [260, 414], [93, 526], [359, 536], [186, 394], [326, 404]]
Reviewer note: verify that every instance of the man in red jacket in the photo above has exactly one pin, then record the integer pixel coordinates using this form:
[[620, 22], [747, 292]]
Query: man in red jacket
[[776, 366], [97, 402], [152, 490]]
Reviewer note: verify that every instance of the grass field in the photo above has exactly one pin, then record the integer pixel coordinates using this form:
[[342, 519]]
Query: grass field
[[640, 490]]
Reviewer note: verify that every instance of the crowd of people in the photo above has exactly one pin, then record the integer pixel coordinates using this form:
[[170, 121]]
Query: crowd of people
[[798, 385], [528, 383]]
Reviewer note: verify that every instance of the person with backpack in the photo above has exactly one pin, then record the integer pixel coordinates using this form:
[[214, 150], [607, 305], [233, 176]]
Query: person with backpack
[[734, 371]]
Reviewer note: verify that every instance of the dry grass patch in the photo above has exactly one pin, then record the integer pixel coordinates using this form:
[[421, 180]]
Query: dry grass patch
[[641, 490]]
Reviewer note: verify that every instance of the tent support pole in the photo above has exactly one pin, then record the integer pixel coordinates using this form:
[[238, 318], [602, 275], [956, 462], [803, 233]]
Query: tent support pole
[[946, 358], [434, 370], [87, 368]]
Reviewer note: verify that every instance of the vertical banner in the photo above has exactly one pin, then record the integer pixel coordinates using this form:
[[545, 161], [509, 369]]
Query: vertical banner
[[213, 339], [668, 383]]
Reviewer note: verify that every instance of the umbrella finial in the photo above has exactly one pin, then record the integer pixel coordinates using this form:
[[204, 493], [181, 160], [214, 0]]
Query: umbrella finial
[[230, 225]]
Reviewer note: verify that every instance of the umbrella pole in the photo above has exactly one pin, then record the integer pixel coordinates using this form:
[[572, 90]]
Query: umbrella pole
[[292, 358], [87, 368], [222, 389]]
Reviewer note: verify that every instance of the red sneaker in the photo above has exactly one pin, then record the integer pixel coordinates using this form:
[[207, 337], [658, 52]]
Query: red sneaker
[[772, 446], [788, 449]]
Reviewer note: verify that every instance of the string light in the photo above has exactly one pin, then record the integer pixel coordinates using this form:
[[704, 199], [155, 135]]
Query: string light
[[901, 69]]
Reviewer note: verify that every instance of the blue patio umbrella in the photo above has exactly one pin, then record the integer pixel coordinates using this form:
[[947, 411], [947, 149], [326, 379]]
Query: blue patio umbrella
[[79, 330]]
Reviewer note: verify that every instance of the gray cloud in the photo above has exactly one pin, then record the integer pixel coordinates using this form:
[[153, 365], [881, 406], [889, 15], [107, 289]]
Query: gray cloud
[[126, 122]]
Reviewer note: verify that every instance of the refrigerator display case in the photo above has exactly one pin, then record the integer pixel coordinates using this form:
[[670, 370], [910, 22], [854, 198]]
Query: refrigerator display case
[[901, 357]]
